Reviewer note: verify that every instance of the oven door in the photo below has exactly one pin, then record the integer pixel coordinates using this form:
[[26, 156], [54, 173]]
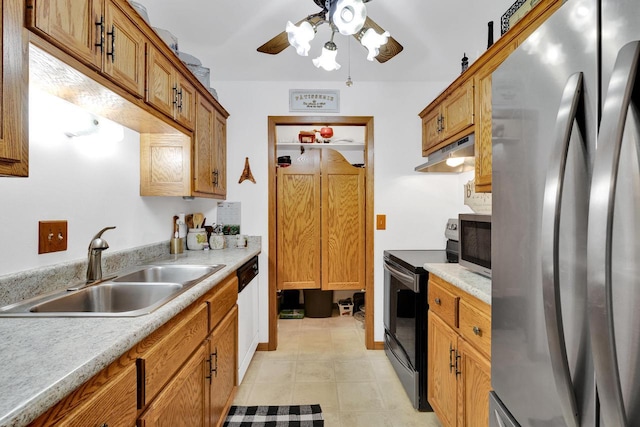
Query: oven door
[[401, 293]]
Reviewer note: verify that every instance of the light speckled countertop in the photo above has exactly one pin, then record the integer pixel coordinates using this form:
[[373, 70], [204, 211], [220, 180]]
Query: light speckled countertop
[[44, 359], [472, 283]]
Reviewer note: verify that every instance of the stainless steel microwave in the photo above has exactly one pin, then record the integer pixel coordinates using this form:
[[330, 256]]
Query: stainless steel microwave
[[474, 234]]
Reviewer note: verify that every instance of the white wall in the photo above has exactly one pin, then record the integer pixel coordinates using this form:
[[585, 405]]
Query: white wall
[[88, 183], [417, 205], [93, 185]]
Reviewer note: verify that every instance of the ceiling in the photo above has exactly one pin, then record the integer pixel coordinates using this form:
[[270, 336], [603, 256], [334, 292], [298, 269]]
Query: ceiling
[[224, 35]]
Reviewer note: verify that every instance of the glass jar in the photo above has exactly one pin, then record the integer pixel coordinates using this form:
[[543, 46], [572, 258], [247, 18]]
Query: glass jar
[[196, 238], [216, 241]]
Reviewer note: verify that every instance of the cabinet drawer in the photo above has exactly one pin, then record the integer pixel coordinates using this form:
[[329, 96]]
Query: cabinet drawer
[[103, 403], [221, 299], [443, 303], [475, 327], [165, 356]]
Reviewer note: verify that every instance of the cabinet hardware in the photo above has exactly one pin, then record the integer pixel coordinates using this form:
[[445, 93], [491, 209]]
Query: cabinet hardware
[[112, 33], [175, 94], [451, 365], [437, 301], [215, 174], [476, 330], [215, 369], [210, 369], [458, 371], [441, 123], [439, 127], [100, 25], [180, 100]]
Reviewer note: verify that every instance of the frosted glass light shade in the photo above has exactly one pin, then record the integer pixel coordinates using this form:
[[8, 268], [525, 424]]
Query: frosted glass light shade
[[327, 60], [349, 16], [372, 41], [300, 36]]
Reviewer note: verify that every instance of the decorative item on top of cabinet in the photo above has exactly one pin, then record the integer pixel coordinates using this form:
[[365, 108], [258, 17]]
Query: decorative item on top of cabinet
[[14, 93], [98, 33], [459, 368]]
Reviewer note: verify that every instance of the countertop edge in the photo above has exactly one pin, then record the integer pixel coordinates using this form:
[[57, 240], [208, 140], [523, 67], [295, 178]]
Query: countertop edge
[[472, 283]]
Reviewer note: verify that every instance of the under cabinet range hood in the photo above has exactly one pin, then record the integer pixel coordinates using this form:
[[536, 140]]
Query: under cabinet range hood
[[453, 158]]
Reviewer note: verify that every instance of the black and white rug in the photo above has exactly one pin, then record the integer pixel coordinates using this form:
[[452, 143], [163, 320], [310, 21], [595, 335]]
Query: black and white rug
[[275, 416]]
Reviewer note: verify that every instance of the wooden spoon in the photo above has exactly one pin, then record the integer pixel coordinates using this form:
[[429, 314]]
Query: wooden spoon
[[197, 220]]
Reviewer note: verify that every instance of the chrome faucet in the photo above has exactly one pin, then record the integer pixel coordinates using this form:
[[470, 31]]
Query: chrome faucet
[[96, 246]]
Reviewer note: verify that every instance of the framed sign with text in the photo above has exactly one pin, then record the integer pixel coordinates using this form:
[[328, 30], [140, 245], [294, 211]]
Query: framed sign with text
[[326, 101]]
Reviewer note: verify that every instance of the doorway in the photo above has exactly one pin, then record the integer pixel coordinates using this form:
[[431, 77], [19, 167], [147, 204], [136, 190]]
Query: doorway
[[305, 122]]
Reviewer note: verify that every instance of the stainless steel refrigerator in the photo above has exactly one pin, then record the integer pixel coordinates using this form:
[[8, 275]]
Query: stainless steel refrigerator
[[566, 222]]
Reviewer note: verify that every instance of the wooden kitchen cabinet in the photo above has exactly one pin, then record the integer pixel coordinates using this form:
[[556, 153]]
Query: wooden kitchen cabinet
[[223, 353], [168, 90], [459, 347], [96, 32], [14, 93], [185, 400], [109, 398], [209, 151], [321, 223], [479, 75], [451, 119]]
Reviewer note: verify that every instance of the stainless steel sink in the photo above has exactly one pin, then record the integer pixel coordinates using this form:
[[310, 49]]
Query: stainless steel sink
[[111, 298], [135, 293], [183, 274]]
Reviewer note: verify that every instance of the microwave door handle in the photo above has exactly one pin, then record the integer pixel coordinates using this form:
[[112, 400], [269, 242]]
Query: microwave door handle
[[569, 107], [599, 246]]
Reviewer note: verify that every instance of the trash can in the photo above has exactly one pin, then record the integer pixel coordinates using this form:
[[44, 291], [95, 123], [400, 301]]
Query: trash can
[[318, 303]]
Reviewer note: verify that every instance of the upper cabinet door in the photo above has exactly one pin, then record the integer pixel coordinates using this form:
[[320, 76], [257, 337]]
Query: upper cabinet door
[[220, 156], [203, 171], [14, 93], [74, 25], [161, 85], [124, 50], [186, 105]]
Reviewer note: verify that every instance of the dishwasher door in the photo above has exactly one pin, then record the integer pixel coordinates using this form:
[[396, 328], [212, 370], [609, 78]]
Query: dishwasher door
[[248, 322]]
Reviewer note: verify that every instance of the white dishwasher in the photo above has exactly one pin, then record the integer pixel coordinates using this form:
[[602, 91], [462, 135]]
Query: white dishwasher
[[248, 324]]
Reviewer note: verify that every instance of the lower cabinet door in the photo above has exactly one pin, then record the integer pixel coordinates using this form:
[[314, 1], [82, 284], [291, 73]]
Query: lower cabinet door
[[474, 385], [441, 370], [184, 401], [224, 361]]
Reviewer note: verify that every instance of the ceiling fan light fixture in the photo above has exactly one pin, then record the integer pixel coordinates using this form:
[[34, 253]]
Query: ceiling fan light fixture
[[349, 16], [327, 60], [373, 41], [300, 36]]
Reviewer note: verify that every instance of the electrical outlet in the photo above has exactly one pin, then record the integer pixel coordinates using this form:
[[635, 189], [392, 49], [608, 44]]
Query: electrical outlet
[[52, 236], [381, 222]]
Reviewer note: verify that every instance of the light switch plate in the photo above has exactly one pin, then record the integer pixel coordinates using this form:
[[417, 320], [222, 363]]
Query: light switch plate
[[52, 236], [381, 222]]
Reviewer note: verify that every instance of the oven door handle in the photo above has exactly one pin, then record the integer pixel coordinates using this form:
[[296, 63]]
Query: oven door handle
[[408, 280]]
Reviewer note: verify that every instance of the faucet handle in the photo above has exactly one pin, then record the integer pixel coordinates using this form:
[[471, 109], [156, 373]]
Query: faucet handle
[[97, 236]]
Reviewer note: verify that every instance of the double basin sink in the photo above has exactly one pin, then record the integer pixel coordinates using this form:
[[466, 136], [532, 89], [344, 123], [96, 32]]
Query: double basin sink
[[135, 293]]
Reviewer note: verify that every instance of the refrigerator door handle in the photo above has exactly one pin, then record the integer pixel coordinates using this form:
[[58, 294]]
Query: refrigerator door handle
[[567, 112], [601, 208]]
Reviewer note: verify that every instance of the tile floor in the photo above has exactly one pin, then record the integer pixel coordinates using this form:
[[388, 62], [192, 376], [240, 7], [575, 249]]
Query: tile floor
[[325, 361]]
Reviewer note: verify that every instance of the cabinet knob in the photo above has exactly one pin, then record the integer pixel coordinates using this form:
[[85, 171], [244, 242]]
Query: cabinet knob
[[437, 301], [476, 330]]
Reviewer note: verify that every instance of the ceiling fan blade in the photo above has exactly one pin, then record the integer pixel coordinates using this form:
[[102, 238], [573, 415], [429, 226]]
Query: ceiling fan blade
[[387, 51], [281, 41]]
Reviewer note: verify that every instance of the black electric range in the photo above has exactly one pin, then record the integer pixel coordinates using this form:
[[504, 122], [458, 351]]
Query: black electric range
[[405, 318]]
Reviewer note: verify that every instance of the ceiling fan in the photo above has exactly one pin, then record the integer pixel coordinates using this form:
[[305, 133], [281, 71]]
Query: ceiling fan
[[348, 17]]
